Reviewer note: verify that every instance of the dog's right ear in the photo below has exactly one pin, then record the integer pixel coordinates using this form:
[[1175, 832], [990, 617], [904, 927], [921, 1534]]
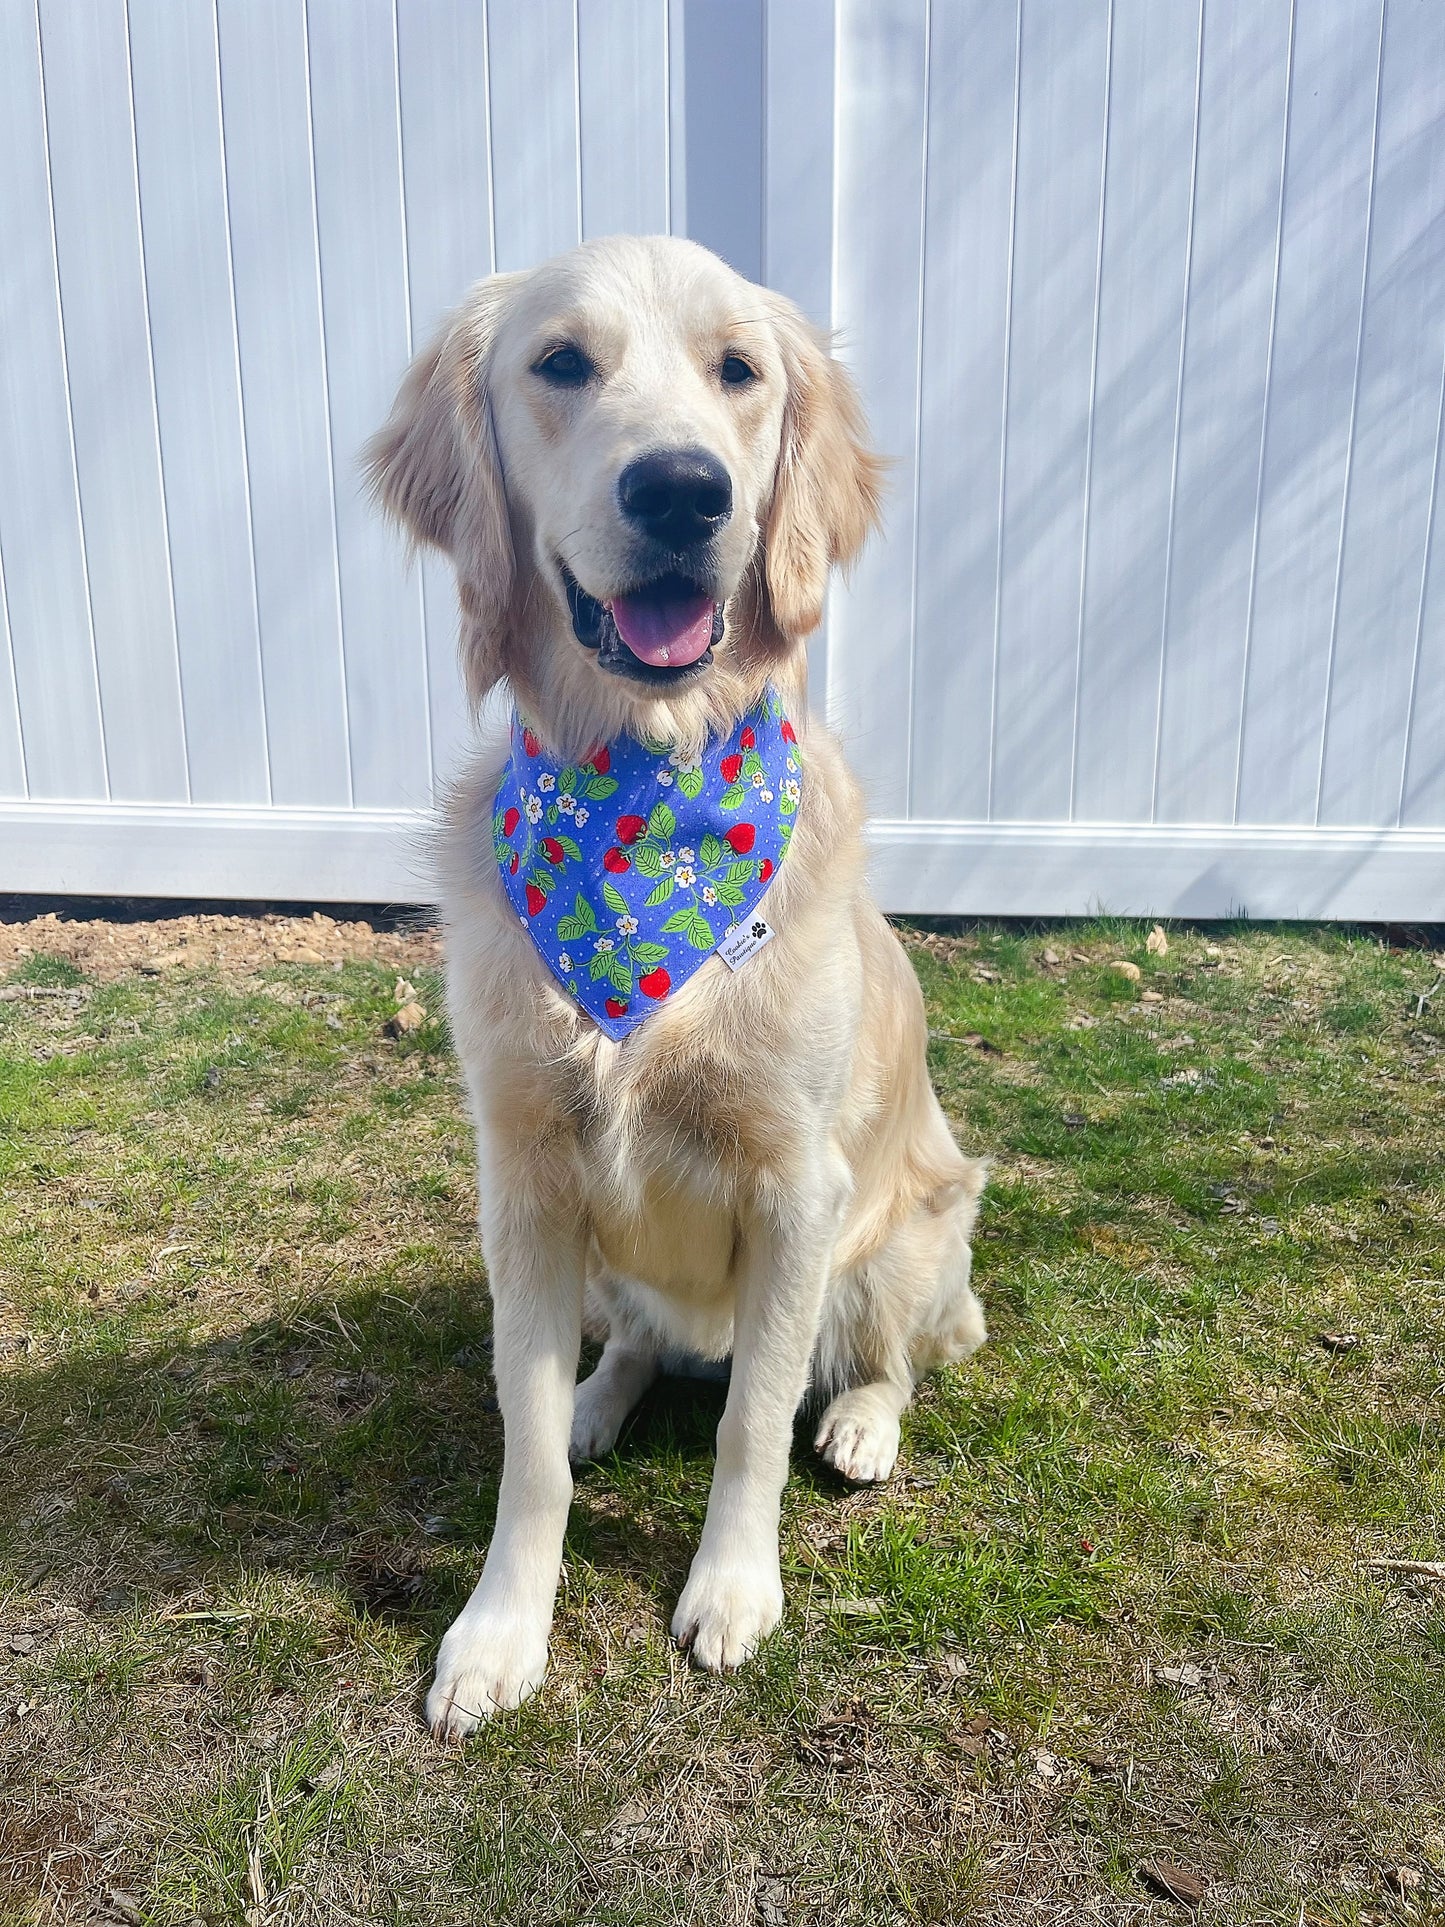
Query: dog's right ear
[[829, 484], [436, 469]]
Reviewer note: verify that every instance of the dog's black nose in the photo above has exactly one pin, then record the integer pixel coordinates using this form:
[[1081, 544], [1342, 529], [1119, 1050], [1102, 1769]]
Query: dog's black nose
[[678, 496]]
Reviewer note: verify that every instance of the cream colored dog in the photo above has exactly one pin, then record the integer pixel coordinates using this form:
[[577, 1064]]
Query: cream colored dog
[[761, 1168]]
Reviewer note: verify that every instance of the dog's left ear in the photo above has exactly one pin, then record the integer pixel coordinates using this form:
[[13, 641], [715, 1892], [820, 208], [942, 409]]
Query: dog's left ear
[[828, 488]]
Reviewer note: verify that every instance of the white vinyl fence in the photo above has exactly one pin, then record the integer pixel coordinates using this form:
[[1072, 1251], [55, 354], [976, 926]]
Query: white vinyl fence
[[1147, 298]]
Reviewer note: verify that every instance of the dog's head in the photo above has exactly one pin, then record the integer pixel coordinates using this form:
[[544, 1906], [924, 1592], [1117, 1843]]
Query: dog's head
[[643, 468]]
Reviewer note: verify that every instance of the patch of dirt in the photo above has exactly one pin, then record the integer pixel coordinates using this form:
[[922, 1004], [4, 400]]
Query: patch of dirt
[[936, 942], [65, 1862], [108, 950]]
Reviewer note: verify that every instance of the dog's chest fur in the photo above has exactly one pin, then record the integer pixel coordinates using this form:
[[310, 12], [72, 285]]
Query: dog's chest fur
[[667, 1144]]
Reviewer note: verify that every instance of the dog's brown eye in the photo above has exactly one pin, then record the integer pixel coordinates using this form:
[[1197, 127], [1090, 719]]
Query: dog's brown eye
[[564, 367], [737, 373]]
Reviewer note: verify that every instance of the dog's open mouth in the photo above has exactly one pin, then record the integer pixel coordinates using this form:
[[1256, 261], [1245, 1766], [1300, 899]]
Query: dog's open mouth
[[657, 633]]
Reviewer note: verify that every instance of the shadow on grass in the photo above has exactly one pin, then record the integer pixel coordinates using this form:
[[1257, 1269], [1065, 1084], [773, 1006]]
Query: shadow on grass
[[337, 1465], [354, 1440]]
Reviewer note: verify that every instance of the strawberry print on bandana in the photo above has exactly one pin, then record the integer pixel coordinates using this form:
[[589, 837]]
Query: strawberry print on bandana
[[629, 869]]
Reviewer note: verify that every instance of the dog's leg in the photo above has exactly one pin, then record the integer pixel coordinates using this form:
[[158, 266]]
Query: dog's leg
[[495, 1652], [627, 1367], [734, 1593], [910, 1311], [858, 1435]]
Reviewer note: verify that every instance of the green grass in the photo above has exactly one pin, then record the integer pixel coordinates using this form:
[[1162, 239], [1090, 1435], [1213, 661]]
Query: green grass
[[1119, 1602]]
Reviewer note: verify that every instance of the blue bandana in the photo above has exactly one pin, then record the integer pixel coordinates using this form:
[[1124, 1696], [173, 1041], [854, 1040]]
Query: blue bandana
[[629, 869]]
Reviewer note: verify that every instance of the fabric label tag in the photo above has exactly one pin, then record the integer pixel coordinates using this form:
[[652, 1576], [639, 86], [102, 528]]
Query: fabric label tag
[[744, 941]]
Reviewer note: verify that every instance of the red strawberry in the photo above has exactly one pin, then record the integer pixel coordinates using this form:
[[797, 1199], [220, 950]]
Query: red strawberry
[[740, 838], [656, 983], [530, 743], [616, 1006], [552, 850], [536, 900], [731, 767], [510, 822], [629, 828], [766, 871], [748, 740], [790, 735], [616, 861], [512, 866], [601, 761]]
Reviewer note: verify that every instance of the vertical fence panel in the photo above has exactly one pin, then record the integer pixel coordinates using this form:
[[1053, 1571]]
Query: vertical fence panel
[[622, 84], [801, 68], [267, 123], [1310, 422], [40, 551], [360, 221], [445, 119], [1243, 99], [1149, 174], [973, 60], [1422, 783], [107, 344], [198, 396], [1063, 90], [1395, 419], [882, 80], [532, 52], [800, 61], [12, 748], [723, 95]]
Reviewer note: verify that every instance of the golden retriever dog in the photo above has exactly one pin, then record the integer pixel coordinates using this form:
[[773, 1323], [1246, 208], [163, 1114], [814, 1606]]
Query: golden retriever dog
[[632, 437]]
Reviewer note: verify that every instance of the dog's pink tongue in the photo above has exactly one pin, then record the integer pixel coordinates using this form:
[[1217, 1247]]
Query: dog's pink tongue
[[664, 632]]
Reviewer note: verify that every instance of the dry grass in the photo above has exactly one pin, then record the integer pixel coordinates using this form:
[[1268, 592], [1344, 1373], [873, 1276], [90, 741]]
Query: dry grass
[[1119, 1608]]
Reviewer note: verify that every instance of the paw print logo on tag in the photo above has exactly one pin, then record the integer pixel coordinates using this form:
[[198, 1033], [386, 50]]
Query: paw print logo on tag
[[744, 941]]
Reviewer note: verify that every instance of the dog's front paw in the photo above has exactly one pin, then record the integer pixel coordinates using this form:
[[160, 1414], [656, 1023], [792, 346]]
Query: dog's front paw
[[486, 1665], [725, 1613]]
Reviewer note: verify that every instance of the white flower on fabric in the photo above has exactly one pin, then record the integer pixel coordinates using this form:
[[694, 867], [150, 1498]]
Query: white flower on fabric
[[766, 795], [567, 804], [564, 958], [667, 859], [605, 943], [628, 926], [580, 817], [546, 781], [792, 763], [533, 808], [709, 895], [664, 776], [687, 856], [759, 780], [686, 876]]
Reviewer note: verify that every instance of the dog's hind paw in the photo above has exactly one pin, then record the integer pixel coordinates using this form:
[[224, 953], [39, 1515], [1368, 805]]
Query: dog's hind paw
[[859, 1436], [605, 1399], [485, 1666], [597, 1420], [724, 1616]]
